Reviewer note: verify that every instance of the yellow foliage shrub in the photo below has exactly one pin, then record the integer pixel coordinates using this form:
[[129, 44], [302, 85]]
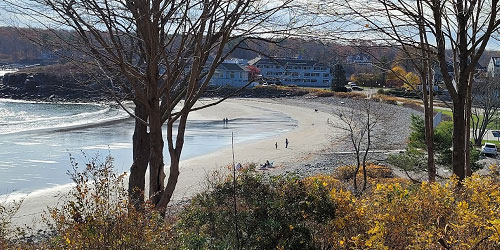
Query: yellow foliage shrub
[[396, 214]]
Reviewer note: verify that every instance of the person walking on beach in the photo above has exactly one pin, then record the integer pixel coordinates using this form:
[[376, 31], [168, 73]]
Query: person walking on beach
[[286, 142], [276, 144]]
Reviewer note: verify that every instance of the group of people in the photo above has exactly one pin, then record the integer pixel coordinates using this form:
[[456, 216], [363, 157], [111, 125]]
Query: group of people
[[266, 165], [286, 143]]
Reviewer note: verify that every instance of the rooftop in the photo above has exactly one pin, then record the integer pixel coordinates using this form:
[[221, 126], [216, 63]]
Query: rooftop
[[496, 61], [286, 61]]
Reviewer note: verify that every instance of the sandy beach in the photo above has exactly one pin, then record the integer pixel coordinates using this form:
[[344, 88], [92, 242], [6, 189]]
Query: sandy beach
[[307, 137]]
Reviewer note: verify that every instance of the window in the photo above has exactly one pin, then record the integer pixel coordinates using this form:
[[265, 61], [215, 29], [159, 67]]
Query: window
[[314, 74], [326, 81], [231, 75], [314, 80], [307, 74], [317, 68], [326, 75], [269, 73]]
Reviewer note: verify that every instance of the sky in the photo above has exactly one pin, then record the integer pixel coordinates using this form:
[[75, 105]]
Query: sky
[[9, 17]]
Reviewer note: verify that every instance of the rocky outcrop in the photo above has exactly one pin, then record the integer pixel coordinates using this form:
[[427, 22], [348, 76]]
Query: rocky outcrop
[[50, 87]]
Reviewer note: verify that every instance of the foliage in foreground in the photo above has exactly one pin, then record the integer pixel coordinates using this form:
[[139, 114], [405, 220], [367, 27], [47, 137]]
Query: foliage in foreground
[[96, 214], [282, 212], [392, 214]]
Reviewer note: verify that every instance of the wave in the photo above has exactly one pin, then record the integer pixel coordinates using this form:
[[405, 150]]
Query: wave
[[55, 118], [104, 115]]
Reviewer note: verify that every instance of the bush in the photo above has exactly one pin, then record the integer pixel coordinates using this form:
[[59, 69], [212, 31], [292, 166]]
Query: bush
[[372, 171], [325, 94], [272, 213], [354, 95], [381, 91], [97, 214], [7, 210]]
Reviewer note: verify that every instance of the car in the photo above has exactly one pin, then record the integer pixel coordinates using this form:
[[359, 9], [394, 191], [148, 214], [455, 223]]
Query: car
[[489, 149], [354, 86]]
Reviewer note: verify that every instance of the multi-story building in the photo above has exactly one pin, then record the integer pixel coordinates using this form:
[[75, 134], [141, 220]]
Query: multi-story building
[[293, 71], [230, 73], [494, 67]]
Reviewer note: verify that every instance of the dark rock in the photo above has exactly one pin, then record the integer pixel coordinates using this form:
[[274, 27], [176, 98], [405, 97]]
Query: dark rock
[[51, 87]]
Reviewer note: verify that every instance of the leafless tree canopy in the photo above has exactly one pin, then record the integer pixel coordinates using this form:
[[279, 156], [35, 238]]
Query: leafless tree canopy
[[165, 53], [485, 97], [434, 27], [361, 124]]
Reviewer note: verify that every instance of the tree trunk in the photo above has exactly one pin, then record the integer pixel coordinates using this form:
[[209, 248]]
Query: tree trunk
[[458, 158], [175, 154], [428, 98], [358, 164], [140, 148], [468, 113], [156, 166], [429, 140]]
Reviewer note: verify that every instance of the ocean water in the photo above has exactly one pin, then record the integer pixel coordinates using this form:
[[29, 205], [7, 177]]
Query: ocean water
[[37, 139]]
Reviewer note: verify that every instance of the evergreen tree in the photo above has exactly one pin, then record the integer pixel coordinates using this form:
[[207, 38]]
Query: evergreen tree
[[339, 81]]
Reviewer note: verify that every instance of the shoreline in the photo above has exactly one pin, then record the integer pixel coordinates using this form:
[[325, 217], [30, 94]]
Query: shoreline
[[313, 146], [194, 170]]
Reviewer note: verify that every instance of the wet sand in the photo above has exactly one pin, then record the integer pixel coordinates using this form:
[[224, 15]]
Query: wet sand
[[308, 137]]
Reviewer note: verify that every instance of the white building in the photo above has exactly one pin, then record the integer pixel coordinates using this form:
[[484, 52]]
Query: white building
[[293, 71], [230, 74], [359, 59], [494, 67]]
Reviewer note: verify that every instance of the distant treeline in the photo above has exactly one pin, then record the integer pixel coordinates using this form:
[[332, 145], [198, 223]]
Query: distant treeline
[[17, 46]]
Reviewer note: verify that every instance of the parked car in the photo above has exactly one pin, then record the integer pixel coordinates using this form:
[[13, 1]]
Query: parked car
[[489, 149], [354, 86]]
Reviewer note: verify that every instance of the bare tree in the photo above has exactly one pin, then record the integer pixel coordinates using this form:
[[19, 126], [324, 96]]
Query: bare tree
[[360, 122], [463, 27], [392, 24], [165, 52], [486, 107]]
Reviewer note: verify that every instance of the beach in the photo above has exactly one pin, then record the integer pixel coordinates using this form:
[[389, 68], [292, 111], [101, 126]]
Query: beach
[[307, 136]]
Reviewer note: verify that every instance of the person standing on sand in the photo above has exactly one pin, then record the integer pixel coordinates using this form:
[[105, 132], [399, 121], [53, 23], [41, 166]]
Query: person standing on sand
[[286, 142], [276, 144]]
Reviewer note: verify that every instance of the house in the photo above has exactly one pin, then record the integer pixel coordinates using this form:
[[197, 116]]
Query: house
[[359, 59], [293, 71], [438, 76], [230, 73], [494, 67]]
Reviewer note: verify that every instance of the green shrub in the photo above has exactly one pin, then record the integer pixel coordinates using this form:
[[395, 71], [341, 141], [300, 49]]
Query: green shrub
[[272, 212]]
